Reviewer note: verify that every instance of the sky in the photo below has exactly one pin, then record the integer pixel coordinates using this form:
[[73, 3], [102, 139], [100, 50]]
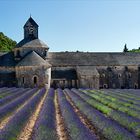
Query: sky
[[71, 25]]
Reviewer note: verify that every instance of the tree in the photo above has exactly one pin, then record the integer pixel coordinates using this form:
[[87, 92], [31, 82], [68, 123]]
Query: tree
[[125, 48], [6, 43]]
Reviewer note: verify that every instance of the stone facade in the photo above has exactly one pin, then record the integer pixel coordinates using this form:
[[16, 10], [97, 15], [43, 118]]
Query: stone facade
[[31, 65]]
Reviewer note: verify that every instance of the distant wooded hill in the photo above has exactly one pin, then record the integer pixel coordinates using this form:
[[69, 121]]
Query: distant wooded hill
[[6, 43]]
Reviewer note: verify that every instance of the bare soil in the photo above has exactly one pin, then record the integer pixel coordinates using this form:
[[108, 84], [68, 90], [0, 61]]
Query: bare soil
[[28, 129]]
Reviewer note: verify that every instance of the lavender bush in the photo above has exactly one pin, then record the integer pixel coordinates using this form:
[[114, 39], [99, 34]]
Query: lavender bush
[[109, 128], [19, 120], [10, 107], [77, 130], [131, 123], [7, 89], [9, 98], [116, 98], [126, 93], [126, 107], [45, 126], [122, 96]]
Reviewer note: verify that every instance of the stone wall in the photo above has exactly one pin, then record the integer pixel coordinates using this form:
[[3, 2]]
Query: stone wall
[[33, 76], [118, 77]]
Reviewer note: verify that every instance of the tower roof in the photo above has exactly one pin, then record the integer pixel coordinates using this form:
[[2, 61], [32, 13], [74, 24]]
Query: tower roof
[[33, 59], [31, 21]]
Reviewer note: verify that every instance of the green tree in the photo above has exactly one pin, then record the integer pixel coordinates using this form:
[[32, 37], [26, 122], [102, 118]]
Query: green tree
[[6, 43]]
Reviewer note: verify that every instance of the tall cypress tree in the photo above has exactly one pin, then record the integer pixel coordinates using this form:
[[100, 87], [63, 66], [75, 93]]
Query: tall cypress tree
[[125, 48]]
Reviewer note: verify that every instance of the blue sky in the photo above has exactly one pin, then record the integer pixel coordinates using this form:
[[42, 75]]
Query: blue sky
[[71, 25]]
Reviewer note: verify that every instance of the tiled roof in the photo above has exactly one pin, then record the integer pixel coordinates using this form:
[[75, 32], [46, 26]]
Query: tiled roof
[[33, 59], [30, 20], [93, 59]]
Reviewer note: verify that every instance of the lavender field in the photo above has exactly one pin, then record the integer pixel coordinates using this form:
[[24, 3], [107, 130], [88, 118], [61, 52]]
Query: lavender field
[[76, 114]]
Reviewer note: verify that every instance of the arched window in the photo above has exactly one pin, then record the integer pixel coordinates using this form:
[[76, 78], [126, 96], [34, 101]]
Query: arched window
[[23, 80], [105, 86], [35, 79], [119, 75]]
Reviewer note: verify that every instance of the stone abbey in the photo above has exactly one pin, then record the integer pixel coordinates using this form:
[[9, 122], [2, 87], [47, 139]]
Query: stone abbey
[[30, 64]]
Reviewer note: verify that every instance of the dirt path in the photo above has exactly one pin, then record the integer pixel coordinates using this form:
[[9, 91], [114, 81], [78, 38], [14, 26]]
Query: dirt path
[[28, 129], [61, 130], [7, 119], [85, 120]]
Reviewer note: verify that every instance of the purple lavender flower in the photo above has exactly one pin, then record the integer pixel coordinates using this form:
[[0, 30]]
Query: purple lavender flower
[[10, 107], [9, 98], [19, 120], [109, 128], [45, 126], [77, 130]]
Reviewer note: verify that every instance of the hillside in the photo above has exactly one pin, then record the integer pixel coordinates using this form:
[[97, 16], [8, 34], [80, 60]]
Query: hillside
[[6, 43]]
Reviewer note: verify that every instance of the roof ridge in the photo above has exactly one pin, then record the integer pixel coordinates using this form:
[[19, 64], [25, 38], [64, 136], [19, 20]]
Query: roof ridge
[[33, 59]]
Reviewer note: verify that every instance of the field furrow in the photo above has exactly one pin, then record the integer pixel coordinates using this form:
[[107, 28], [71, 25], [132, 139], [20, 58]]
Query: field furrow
[[69, 114]]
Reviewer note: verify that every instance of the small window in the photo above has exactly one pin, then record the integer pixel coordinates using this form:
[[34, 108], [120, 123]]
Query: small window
[[35, 79], [105, 85], [119, 75], [23, 80]]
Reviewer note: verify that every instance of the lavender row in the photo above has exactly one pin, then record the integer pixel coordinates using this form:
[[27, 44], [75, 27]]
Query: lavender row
[[14, 127], [7, 93], [118, 104], [126, 102], [2, 89], [45, 126], [109, 128], [126, 92], [6, 89], [9, 98], [131, 123], [111, 94], [133, 91], [77, 130], [124, 96], [13, 105]]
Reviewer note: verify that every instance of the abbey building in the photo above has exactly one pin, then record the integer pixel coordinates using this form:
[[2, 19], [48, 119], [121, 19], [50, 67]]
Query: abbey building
[[30, 64]]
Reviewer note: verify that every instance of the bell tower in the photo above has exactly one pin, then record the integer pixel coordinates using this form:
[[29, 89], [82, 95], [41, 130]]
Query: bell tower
[[30, 29]]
